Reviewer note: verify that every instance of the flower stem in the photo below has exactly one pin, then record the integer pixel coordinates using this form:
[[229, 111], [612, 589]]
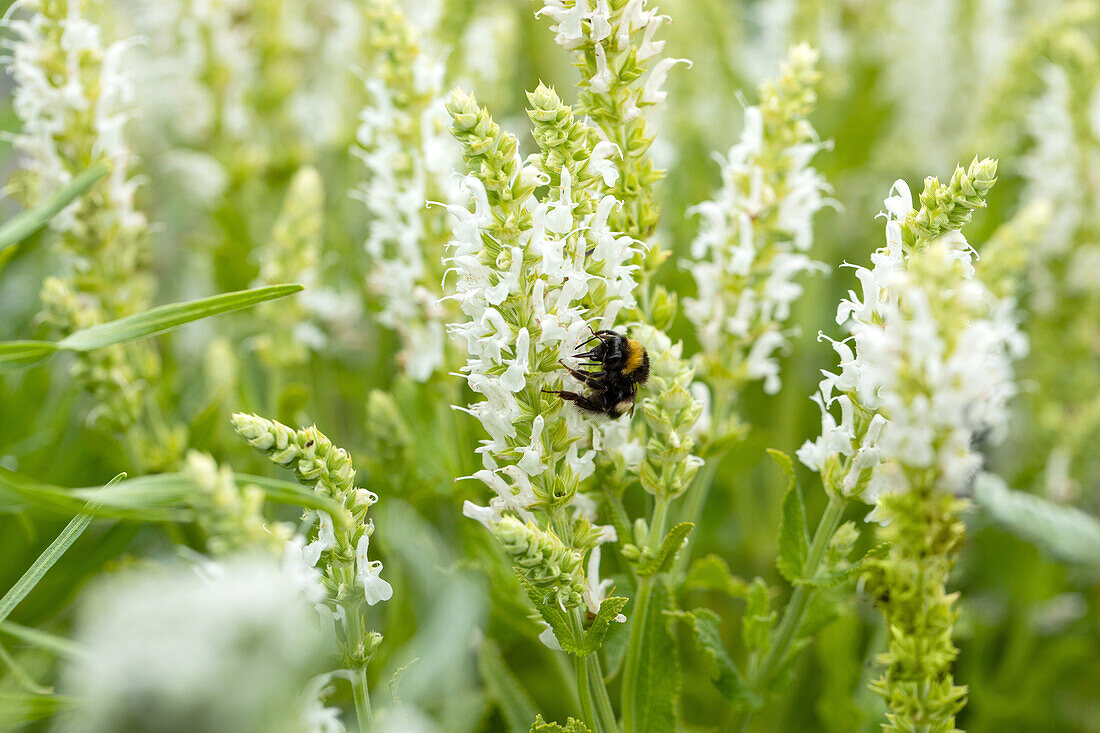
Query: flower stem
[[692, 511], [359, 688], [362, 700], [639, 624], [793, 615], [604, 710], [584, 688]]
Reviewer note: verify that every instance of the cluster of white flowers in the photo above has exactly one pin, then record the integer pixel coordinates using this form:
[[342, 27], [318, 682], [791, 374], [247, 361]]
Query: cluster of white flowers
[[76, 117], [755, 233], [368, 573], [409, 157], [328, 469], [231, 86], [925, 373], [530, 297], [608, 30], [231, 647], [1053, 169]]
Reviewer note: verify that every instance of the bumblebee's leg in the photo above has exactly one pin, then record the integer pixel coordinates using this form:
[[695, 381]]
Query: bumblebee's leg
[[579, 400], [583, 377]]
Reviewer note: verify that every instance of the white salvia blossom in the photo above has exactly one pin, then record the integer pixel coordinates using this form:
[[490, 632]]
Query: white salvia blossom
[[315, 717], [607, 32], [368, 572], [91, 101], [1052, 168], [596, 590], [185, 44], [556, 279], [556, 286], [925, 372], [228, 649], [408, 156], [755, 233]]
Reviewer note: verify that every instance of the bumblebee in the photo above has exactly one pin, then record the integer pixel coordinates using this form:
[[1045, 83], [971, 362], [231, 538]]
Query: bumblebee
[[613, 389]]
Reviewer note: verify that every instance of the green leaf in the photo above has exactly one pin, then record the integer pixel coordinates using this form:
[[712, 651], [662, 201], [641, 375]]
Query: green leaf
[[723, 672], [166, 317], [294, 494], [24, 224], [597, 630], [25, 352], [157, 497], [552, 614], [713, 573], [42, 639], [140, 325], [657, 692], [756, 628], [1064, 532], [794, 541], [46, 560], [662, 561], [19, 708], [572, 725], [837, 576], [504, 689]]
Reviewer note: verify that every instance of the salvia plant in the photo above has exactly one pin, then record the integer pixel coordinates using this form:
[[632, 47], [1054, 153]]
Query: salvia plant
[[577, 365]]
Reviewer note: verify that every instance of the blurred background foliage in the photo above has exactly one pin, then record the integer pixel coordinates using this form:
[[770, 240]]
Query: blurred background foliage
[[907, 90]]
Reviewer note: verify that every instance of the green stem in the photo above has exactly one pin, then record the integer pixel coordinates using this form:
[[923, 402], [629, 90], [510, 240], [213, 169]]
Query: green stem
[[362, 700], [584, 688], [604, 709], [695, 498], [692, 511], [638, 639], [760, 674], [359, 688]]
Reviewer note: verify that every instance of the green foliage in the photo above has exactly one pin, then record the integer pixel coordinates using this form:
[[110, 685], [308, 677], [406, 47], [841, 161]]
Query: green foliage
[[661, 560], [141, 325], [45, 561], [504, 689], [713, 573], [1065, 532], [657, 694], [794, 542], [572, 725], [27, 223], [723, 671]]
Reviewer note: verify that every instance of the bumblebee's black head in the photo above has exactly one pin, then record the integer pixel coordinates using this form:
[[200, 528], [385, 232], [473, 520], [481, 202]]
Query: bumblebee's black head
[[621, 356]]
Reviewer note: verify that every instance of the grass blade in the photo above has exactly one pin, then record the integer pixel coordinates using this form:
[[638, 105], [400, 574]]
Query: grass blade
[[23, 225], [157, 497], [42, 639], [166, 317], [46, 560], [25, 352]]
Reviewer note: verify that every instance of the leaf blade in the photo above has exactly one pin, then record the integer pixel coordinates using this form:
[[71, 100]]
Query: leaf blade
[[166, 317], [24, 353], [26, 223], [794, 538], [46, 560], [1065, 532], [723, 671], [666, 553]]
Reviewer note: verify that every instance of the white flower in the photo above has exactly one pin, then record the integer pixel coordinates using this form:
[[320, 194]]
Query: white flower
[[326, 539], [596, 590], [930, 359], [375, 589], [401, 175], [746, 262], [651, 92], [228, 650]]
